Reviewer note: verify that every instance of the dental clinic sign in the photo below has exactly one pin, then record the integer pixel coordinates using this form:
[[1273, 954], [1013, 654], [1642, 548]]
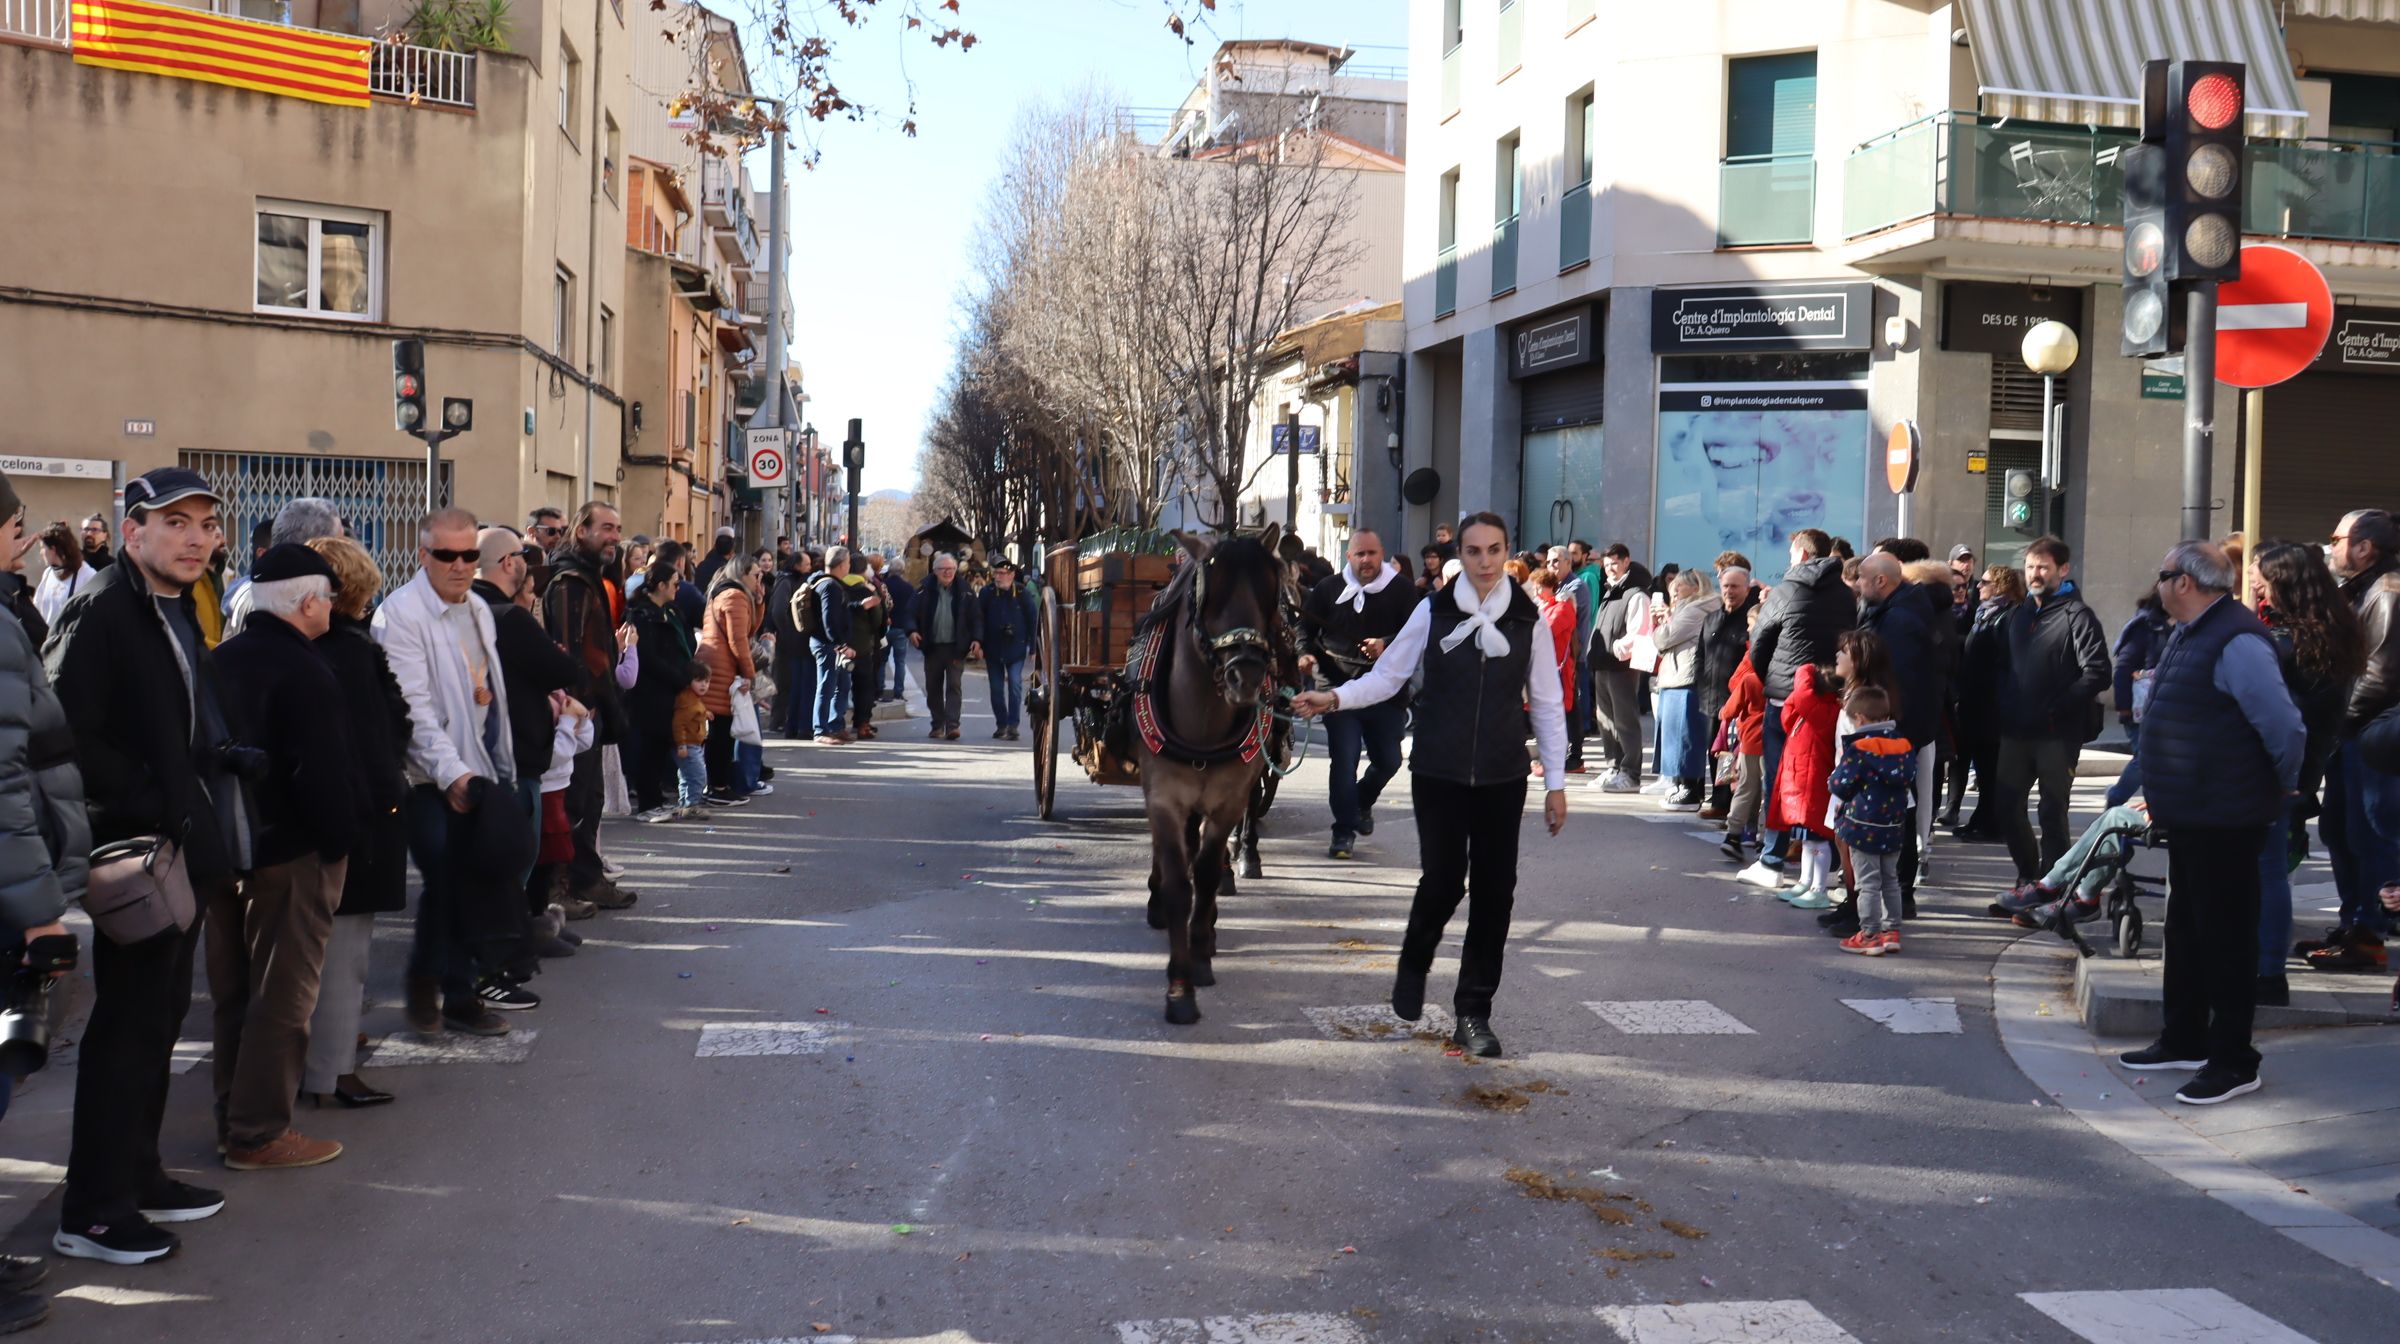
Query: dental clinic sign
[[1752, 318]]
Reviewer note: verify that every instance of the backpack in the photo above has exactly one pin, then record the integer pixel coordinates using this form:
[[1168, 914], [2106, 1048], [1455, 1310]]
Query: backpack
[[807, 617]]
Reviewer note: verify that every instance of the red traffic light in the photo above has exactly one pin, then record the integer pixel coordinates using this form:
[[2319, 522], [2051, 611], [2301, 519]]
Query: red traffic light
[[406, 385], [2214, 100]]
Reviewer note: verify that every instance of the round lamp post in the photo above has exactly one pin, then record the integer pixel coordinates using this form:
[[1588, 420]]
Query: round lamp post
[[2050, 349]]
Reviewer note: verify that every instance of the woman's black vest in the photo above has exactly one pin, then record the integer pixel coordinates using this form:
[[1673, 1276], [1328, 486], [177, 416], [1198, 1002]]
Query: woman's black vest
[[1470, 717]]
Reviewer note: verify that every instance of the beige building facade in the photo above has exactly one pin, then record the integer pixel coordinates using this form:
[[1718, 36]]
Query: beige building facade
[[1674, 273]]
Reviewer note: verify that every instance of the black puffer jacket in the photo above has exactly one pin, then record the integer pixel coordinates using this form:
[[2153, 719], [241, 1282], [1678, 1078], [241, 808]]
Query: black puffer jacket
[[45, 839], [312, 799], [1724, 638], [1805, 614], [377, 880]]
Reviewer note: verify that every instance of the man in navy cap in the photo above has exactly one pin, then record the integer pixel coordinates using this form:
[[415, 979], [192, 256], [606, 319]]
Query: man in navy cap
[[266, 942], [156, 746]]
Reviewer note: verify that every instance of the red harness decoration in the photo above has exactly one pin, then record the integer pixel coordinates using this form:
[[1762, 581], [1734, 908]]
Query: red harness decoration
[[1141, 667]]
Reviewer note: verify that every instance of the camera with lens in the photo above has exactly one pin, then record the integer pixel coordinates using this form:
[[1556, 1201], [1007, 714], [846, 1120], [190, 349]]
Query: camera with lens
[[25, 1007], [247, 764]]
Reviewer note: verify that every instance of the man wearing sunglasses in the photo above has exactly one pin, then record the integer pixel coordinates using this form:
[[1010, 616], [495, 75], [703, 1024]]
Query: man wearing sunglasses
[[546, 527]]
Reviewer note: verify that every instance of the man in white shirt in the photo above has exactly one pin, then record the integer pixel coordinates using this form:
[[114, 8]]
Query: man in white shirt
[[1486, 657]]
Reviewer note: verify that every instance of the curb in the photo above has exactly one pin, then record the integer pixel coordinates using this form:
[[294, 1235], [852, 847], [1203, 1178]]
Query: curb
[[2126, 998], [2061, 1057]]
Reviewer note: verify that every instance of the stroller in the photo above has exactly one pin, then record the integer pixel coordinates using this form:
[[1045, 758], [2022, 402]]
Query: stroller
[[2112, 857]]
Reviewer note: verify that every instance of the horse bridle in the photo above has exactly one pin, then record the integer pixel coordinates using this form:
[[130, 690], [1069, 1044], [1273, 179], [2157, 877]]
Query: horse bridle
[[1230, 648]]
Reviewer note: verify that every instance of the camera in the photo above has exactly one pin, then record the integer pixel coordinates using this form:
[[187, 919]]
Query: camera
[[25, 1008]]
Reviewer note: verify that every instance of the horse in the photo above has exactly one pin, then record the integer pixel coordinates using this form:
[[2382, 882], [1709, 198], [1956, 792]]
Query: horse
[[1202, 682]]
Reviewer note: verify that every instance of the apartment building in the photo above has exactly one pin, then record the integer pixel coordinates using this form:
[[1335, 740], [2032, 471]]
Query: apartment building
[[212, 272], [1675, 272]]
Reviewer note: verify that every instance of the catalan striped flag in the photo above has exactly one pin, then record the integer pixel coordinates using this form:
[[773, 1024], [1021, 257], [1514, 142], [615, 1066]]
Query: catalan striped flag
[[193, 44]]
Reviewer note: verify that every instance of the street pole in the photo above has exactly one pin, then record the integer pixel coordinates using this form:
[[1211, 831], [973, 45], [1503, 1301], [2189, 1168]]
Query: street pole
[[2254, 431], [2199, 406], [2049, 447], [1291, 474], [776, 336]]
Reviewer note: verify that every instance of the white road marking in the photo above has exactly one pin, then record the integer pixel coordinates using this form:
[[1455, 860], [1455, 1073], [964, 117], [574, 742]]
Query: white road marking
[[2161, 1316], [1669, 1017], [723, 1039], [1300, 1328], [187, 1054], [1375, 1022], [1725, 1323], [110, 1295], [1665, 818], [1912, 1017], [451, 1048]]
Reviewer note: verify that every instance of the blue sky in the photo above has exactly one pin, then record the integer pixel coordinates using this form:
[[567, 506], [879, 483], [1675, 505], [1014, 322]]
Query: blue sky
[[883, 229]]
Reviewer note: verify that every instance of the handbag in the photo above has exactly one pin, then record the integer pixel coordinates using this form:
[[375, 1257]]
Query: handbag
[[139, 888]]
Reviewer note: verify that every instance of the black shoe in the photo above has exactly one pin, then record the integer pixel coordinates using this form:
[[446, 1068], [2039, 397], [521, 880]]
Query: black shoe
[[1948, 821], [2157, 1058], [134, 1241], [1408, 995], [552, 946], [181, 1203], [2274, 991], [1366, 819], [22, 1273], [508, 998], [1841, 910], [22, 1311], [472, 1018], [2334, 936], [1732, 849], [1474, 1035], [1908, 905], [1843, 927], [1343, 847], [2212, 1085]]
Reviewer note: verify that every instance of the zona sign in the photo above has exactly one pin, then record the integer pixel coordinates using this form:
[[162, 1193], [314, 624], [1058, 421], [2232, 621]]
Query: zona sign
[[2273, 321]]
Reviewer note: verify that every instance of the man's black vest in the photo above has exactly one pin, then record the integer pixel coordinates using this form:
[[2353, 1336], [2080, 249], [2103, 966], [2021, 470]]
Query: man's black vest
[[1470, 717], [2202, 762]]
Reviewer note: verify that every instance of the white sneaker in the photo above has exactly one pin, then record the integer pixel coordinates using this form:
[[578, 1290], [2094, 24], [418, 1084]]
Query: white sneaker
[[610, 868], [1619, 782], [656, 814], [1658, 786], [1760, 875]]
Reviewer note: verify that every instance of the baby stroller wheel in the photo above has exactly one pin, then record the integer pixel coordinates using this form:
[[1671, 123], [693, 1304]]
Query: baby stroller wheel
[[2129, 934]]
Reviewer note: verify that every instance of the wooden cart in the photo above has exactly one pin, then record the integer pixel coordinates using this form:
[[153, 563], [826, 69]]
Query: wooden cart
[[1091, 593]]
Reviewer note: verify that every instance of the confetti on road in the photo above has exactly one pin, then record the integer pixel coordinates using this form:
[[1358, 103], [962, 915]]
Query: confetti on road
[[1376, 1022]]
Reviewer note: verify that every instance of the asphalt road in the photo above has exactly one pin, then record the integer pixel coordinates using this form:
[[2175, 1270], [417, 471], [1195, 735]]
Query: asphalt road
[[976, 1125]]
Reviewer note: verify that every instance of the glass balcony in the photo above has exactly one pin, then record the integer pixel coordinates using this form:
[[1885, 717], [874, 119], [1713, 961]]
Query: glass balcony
[[2336, 189], [1504, 256], [1451, 60], [1766, 200], [1445, 282], [1575, 226], [1511, 42]]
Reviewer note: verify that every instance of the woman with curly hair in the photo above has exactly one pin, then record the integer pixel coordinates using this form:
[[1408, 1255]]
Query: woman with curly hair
[[2322, 651]]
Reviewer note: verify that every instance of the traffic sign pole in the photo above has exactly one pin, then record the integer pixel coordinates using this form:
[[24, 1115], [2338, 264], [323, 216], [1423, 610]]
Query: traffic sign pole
[[2254, 426], [2199, 406]]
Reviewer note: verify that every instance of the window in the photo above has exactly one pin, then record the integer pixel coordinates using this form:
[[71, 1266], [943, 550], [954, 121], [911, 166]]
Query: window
[[562, 313], [1454, 24], [320, 260], [1771, 107], [1508, 182], [612, 149], [1580, 110], [570, 81], [608, 343], [1446, 222]]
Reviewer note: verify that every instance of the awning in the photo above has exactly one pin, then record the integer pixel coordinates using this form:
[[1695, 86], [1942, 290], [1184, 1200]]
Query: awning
[[2364, 11], [2080, 61]]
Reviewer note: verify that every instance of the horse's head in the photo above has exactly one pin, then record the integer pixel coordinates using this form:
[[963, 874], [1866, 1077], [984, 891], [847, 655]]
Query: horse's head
[[1234, 611]]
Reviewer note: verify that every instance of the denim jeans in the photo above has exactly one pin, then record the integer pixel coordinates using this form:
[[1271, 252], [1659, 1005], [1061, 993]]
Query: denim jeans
[[691, 766], [1008, 691], [897, 680], [439, 951], [749, 758], [2360, 828], [1771, 846], [2275, 895], [833, 691], [1682, 751], [1376, 730]]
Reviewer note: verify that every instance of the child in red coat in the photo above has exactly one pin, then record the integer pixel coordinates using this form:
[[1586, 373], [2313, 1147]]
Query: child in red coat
[[1745, 720], [1802, 797]]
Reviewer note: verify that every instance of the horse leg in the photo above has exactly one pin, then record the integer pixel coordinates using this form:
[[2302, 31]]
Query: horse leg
[[1172, 870], [1209, 870], [1255, 811], [1158, 912]]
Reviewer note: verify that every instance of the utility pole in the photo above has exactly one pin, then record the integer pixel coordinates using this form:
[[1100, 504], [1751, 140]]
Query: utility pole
[[2199, 405], [1291, 473], [777, 338]]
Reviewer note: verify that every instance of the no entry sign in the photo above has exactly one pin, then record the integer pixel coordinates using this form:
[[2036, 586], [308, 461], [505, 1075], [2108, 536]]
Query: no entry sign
[[2272, 322]]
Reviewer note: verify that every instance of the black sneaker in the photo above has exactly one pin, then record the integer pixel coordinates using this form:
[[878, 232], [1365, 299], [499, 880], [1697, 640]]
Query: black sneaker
[[2158, 1058], [181, 1203], [1732, 849], [1366, 819], [2210, 1086], [508, 998], [22, 1273], [22, 1311], [1408, 995], [473, 1019], [134, 1241], [2274, 991], [1343, 847], [1846, 925]]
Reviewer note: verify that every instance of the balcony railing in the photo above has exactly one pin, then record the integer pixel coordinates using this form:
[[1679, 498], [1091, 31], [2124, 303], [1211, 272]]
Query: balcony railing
[[1510, 45], [1451, 60], [412, 74], [1766, 200], [1575, 226], [1504, 256], [2335, 189], [1445, 282]]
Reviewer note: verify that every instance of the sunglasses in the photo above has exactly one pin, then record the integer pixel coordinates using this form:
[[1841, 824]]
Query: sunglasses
[[443, 557], [2170, 575]]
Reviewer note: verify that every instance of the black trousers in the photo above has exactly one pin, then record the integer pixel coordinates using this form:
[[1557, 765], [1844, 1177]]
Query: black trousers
[[945, 683], [717, 754], [653, 763], [1467, 846], [587, 796], [2212, 944], [866, 687], [140, 996], [2025, 762]]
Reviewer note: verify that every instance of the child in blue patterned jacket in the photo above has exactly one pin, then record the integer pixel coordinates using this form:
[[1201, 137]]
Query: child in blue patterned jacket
[[1873, 780]]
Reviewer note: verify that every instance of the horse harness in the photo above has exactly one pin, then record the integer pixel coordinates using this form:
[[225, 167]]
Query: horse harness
[[1149, 663]]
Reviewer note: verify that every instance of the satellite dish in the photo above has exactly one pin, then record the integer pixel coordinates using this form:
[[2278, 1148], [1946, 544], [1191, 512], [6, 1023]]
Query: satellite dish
[[1421, 486]]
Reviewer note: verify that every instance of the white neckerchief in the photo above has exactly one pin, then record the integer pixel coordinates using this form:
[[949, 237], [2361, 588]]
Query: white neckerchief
[[1355, 594], [1482, 619]]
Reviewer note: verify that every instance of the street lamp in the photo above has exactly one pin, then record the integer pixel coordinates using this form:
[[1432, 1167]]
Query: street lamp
[[2050, 350]]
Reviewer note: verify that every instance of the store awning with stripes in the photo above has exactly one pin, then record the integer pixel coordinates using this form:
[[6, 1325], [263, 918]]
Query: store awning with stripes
[[2080, 61]]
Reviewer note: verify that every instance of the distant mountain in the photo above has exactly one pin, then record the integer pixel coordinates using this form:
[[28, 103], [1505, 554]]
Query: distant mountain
[[896, 496]]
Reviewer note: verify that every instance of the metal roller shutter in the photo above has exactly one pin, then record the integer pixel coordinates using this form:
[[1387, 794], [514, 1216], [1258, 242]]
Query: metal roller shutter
[[1568, 397], [2327, 452]]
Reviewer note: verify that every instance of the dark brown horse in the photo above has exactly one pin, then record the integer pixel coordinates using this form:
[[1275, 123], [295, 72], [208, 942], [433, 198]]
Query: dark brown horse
[[1203, 700]]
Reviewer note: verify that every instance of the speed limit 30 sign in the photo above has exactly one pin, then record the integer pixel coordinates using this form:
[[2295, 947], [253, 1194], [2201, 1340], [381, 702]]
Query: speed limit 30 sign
[[764, 454]]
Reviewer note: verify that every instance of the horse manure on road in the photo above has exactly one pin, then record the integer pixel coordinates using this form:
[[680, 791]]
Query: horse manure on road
[[1683, 1230], [1537, 1185], [1509, 1100], [1355, 945], [1629, 1255]]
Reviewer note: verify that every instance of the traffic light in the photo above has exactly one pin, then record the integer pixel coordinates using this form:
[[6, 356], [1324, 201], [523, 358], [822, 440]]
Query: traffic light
[[2149, 325], [2022, 490], [408, 385], [458, 414], [2201, 127]]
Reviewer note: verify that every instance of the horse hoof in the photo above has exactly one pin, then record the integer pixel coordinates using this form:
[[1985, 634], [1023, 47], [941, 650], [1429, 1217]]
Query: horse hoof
[[1204, 975], [1250, 866], [1183, 1011]]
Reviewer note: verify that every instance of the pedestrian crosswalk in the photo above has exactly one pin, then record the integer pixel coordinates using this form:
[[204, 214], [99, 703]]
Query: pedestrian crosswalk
[[1911, 1017], [1297, 1328], [402, 1048], [1669, 1017], [2147, 1316], [727, 1039], [1724, 1323]]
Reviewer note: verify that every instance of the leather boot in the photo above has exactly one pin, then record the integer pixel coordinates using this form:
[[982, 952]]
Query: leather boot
[[1408, 994], [1474, 1035], [424, 1006]]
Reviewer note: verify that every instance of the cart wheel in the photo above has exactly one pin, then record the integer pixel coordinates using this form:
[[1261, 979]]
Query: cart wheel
[[1044, 707], [2129, 935]]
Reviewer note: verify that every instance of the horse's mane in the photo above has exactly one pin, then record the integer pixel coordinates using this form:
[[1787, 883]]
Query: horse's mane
[[1240, 556]]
